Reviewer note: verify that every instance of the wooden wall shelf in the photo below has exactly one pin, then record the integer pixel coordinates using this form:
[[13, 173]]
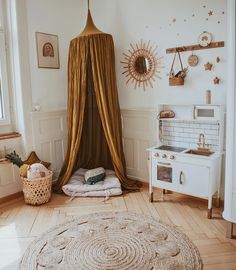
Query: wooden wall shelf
[[196, 47]]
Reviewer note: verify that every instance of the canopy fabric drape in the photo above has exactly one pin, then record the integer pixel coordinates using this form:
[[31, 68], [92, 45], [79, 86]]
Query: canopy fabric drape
[[94, 118]]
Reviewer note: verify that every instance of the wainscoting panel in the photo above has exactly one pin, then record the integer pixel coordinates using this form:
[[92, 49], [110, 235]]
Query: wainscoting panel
[[10, 181], [139, 133], [49, 137]]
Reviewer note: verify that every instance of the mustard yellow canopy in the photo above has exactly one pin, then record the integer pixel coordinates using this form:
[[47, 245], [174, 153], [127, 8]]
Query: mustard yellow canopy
[[94, 119]]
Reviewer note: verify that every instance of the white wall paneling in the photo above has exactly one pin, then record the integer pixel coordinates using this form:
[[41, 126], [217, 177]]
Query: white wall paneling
[[139, 133], [50, 137], [10, 181]]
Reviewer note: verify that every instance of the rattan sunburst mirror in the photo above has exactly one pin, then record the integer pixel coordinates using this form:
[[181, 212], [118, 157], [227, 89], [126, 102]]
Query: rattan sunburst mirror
[[142, 65]]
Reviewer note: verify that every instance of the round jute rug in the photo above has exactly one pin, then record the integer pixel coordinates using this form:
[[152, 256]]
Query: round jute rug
[[112, 241]]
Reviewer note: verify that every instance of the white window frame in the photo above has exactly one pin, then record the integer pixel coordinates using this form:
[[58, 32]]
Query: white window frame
[[5, 120]]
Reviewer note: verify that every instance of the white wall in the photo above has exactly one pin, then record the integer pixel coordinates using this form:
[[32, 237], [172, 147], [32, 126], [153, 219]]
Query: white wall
[[65, 19], [129, 22], [50, 137], [149, 20]]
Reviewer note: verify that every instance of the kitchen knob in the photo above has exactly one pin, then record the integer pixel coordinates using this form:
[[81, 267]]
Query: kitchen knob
[[172, 157], [156, 154], [164, 156]]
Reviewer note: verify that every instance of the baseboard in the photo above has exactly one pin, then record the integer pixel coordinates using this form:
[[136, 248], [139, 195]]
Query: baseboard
[[141, 180], [11, 197]]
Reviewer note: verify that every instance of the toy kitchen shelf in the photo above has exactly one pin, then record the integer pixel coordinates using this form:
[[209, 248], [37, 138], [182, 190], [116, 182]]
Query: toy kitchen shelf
[[194, 112], [176, 163]]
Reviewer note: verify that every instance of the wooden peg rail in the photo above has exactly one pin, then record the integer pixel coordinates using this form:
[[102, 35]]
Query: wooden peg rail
[[196, 47]]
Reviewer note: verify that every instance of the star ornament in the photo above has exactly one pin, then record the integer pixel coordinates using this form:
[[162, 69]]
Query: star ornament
[[216, 80], [210, 13], [208, 66]]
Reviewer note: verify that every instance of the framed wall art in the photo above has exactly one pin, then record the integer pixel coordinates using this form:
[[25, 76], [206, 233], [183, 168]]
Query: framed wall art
[[47, 50]]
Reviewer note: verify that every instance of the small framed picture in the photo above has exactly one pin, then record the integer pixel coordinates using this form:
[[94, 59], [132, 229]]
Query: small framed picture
[[47, 50]]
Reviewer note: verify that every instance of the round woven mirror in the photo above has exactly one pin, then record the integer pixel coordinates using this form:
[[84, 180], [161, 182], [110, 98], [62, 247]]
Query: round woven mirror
[[142, 65]]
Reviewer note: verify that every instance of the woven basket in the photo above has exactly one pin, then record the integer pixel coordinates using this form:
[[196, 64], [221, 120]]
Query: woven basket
[[175, 81], [37, 191]]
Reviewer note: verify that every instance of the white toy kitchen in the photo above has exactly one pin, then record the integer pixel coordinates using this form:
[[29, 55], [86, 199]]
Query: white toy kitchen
[[188, 156]]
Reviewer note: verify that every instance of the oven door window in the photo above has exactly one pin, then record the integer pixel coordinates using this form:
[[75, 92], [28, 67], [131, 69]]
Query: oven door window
[[164, 173], [205, 113]]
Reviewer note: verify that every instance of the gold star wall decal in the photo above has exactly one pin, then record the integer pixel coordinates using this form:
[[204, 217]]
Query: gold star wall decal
[[210, 13], [208, 66], [216, 80]]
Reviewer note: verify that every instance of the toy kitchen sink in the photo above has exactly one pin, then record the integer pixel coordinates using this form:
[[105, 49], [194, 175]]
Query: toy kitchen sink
[[199, 152]]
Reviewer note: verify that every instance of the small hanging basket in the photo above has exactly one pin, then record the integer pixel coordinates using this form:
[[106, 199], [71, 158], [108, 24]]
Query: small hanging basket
[[178, 78], [37, 191]]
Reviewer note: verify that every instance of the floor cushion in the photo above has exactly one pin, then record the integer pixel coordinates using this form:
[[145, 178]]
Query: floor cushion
[[77, 187]]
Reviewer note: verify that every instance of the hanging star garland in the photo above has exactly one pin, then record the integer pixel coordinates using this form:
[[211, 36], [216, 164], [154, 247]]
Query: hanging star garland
[[216, 80], [208, 66], [210, 13]]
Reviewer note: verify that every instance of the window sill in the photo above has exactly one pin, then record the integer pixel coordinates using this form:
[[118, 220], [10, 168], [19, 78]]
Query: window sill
[[9, 135], [4, 161]]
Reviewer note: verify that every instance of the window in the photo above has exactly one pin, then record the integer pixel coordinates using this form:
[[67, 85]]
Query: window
[[4, 99]]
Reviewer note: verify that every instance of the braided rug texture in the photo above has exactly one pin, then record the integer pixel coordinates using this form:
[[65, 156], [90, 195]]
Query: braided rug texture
[[112, 241]]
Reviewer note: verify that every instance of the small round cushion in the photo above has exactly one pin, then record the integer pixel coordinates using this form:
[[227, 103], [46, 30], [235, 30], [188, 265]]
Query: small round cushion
[[36, 171], [95, 175]]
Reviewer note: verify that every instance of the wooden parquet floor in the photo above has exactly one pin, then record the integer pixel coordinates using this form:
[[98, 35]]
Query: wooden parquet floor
[[20, 223]]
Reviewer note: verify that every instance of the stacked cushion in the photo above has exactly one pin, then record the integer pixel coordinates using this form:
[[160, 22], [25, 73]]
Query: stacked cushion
[[77, 187]]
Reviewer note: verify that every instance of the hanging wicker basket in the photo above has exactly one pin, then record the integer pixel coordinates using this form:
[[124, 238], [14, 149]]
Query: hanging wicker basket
[[177, 79], [37, 191]]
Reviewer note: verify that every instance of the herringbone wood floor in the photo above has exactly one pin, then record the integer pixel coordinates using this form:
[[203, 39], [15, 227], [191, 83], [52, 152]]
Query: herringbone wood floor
[[20, 223]]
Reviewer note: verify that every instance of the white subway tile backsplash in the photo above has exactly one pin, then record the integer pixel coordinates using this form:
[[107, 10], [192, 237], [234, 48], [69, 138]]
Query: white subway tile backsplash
[[170, 128], [211, 131], [178, 129], [186, 133], [192, 145]]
